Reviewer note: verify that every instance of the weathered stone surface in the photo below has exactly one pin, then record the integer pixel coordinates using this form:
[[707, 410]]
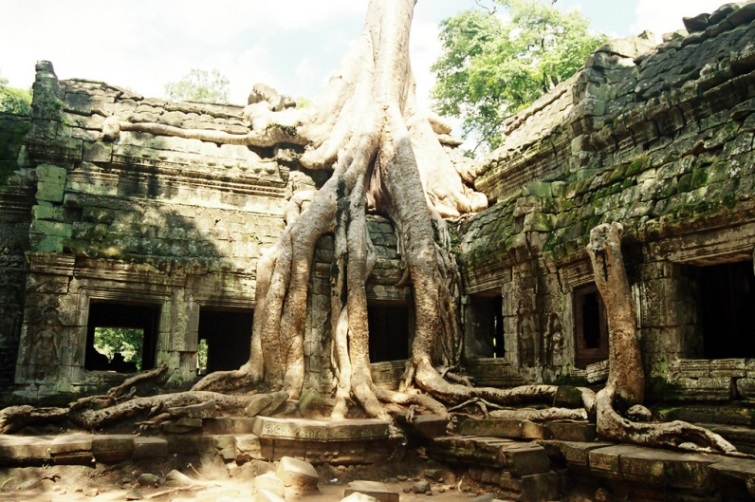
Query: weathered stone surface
[[575, 454], [112, 449], [265, 402], [503, 428], [525, 458], [268, 485], [149, 447], [202, 410], [332, 430], [23, 450], [374, 489], [248, 447], [429, 426], [297, 475], [572, 431]]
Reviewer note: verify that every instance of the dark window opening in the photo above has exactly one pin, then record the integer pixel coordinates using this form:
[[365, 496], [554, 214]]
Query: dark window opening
[[726, 306], [121, 337], [590, 326], [486, 317], [224, 339], [389, 332]]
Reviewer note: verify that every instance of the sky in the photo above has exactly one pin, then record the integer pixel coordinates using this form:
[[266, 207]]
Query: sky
[[292, 45]]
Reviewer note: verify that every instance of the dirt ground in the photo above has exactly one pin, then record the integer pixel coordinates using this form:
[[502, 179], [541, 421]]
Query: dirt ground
[[213, 481]]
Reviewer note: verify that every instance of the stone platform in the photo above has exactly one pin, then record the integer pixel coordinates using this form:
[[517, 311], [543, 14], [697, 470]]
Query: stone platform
[[239, 439], [528, 462]]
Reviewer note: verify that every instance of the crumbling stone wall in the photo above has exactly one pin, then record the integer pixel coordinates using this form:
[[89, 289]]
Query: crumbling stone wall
[[16, 192], [659, 138], [177, 224]]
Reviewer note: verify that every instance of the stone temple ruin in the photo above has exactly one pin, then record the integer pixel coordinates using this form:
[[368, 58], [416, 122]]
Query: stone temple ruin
[[162, 234]]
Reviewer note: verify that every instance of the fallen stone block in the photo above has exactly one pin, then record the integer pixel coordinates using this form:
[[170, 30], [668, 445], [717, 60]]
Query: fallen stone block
[[359, 497], [268, 483], [297, 475], [374, 489], [248, 447]]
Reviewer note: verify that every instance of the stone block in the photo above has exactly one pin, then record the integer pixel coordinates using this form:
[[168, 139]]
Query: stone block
[[319, 430], [228, 425], [735, 476], [248, 447], [223, 445], [297, 475], [374, 489], [23, 450], [734, 368], [183, 444], [112, 449], [605, 462], [52, 228], [745, 388], [525, 458], [266, 487], [543, 486], [149, 447], [504, 428], [265, 403], [359, 497], [429, 426], [703, 389], [182, 426], [50, 191], [667, 468], [572, 431], [71, 449]]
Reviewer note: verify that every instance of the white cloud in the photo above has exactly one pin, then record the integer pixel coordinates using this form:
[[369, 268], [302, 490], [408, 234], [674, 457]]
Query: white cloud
[[666, 16]]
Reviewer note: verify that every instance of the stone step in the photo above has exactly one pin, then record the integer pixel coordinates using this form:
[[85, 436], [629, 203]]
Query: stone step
[[518, 457], [722, 415], [741, 437], [567, 430], [663, 471], [348, 441], [78, 449]]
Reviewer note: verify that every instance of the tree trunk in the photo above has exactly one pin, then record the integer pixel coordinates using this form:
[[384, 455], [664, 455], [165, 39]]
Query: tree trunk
[[626, 378]]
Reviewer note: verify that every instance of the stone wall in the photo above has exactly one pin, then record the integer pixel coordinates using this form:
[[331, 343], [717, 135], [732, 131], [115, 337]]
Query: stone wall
[[151, 220], [16, 193], [659, 138]]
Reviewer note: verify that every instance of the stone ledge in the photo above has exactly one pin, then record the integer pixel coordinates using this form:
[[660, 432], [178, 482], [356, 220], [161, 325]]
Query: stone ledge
[[317, 430]]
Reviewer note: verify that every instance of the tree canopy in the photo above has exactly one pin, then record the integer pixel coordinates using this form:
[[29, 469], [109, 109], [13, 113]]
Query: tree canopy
[[12, 100], [199, 85], [494, 64]]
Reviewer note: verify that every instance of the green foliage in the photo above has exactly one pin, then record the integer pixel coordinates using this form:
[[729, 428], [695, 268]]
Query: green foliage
[[202, 350], [127, 341], [199, 85], [493, 66], [12, 100]]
